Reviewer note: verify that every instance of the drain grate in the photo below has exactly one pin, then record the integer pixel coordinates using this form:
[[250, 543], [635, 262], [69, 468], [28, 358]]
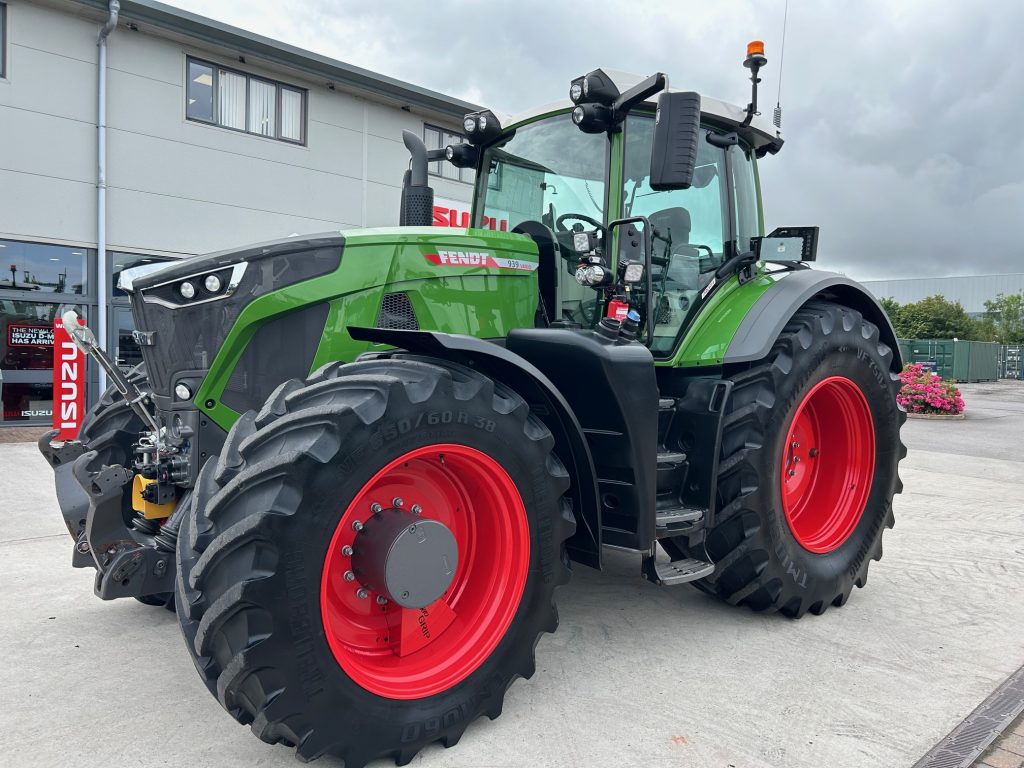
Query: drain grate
[[967, 741]]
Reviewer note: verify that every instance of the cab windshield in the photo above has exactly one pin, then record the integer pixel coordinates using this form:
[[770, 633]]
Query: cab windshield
[[546, 172]]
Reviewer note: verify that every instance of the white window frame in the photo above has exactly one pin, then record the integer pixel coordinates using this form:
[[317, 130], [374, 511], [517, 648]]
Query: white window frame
[[279, 86], [462, 175]]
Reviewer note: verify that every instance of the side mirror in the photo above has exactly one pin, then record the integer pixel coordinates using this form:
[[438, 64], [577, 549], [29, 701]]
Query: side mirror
[[676, 132]]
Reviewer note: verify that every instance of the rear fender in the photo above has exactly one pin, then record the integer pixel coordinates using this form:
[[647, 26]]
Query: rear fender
[[765, 320], [545, 401]]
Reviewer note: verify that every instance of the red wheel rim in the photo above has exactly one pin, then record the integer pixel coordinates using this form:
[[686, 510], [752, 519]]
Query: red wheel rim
[[385, 648], [828, 464]]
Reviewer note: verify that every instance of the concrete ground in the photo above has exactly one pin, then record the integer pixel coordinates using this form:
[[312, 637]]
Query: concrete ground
[[635, 675]]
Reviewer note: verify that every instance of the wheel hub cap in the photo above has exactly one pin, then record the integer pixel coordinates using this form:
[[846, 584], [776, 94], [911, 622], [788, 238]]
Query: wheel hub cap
[[406, 559]]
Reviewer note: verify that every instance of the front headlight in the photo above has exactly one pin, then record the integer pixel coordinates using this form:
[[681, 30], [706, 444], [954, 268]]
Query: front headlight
[[469, 124]]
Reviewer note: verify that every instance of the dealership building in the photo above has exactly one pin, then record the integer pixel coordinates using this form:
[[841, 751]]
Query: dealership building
[[194, 136]]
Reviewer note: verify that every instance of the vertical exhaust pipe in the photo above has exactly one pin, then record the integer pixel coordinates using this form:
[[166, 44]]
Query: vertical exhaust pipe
[[417, 208]]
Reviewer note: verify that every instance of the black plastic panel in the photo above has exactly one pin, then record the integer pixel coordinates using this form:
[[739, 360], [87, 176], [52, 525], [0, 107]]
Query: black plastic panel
[[611, 388], [189, 336], [281, 349]]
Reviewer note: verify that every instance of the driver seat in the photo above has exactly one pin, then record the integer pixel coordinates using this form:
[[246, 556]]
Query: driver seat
[[672, 221]]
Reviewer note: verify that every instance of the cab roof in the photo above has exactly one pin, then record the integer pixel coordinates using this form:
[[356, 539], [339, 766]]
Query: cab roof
[[760, 132]]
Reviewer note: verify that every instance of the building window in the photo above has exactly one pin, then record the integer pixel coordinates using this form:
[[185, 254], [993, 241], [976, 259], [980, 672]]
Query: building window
[[241, 102], [32, 269], [438, 138], [3, 40], [26, 359]]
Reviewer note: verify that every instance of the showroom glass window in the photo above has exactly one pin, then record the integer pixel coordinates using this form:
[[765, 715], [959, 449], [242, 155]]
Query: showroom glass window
[[243, 102], [38, 282]]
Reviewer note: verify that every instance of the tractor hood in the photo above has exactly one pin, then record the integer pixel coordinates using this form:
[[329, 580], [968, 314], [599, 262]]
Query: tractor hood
[[232, 325], [184, 332]]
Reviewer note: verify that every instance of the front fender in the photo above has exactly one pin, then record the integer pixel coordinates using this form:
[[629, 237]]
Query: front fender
[[545, 401]]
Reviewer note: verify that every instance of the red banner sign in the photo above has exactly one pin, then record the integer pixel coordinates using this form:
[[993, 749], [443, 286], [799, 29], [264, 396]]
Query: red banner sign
[[68, 383]]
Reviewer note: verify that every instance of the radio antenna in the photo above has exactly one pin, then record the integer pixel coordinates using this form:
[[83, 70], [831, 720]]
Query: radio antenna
[[777, 117]]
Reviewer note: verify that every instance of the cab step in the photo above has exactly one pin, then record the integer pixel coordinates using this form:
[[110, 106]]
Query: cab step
[[678, 572], [676, 520]]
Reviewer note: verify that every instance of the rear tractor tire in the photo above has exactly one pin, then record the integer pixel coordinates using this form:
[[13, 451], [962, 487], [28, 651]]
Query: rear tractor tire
[[370, 562], [808, 467]]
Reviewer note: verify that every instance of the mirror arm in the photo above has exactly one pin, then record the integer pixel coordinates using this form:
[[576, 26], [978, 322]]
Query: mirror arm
[[638, 93]]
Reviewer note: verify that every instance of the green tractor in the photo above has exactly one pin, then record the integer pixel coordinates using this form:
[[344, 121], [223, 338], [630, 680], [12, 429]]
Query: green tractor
[[358, 464]]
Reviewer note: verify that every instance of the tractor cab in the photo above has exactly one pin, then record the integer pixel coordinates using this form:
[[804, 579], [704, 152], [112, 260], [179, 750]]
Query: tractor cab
[[617, 228]]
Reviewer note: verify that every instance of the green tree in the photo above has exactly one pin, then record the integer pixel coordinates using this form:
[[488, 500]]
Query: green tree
[[892, 309], [934, 318], [1006, 314]]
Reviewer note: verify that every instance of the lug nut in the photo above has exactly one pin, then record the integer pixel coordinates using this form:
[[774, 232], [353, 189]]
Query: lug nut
[[796, 459], [792, 472], [362, 593], [346, 551], [349, 576], [376, 508], [794, 444], [357, 525], [381, 600], [397, 501], [416, 509]]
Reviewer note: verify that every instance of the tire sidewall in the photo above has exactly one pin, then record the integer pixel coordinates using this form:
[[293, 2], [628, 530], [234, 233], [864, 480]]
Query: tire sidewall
[[848, 354], [327, 493]]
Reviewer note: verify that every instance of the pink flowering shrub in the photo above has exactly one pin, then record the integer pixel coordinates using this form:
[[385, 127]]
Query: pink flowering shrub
[[924, 392]]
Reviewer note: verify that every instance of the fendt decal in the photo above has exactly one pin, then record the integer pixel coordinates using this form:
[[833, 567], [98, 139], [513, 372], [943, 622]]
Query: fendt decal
[[478, 259]]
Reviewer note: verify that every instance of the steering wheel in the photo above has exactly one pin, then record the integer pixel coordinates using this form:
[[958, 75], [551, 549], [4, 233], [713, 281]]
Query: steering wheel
[[578, 216]]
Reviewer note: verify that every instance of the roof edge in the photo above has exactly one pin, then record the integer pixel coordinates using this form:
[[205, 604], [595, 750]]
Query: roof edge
[[210, 31]]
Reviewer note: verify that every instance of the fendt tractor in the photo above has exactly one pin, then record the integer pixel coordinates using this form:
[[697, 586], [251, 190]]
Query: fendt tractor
[[358, 464]]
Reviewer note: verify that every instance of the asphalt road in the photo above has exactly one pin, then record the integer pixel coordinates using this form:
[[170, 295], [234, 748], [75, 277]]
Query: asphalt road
[[635, 675]]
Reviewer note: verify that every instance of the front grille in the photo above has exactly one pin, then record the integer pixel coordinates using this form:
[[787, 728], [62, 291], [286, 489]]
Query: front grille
[[396, 313]]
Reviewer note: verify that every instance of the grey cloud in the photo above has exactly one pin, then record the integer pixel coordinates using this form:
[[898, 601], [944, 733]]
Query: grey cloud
[[900, 118]]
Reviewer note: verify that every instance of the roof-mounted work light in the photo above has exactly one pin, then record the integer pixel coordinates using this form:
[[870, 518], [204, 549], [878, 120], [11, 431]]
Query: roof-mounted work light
[[598, 87], [481, 127]]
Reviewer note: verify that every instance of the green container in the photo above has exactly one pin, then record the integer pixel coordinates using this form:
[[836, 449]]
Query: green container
[[1011, 361], [964, 361]]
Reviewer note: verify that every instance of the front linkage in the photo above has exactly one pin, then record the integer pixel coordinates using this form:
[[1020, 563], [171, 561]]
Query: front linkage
[[133, 553]]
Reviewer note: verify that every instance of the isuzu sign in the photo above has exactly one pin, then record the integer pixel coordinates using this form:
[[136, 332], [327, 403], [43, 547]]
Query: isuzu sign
[[68, 383]]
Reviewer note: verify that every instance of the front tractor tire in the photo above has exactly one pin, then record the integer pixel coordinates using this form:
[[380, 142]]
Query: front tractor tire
[[372, 559], [808, 467]]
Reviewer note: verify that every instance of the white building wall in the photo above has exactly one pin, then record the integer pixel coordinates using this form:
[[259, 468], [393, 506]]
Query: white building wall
[[177, 186], [970, 290]]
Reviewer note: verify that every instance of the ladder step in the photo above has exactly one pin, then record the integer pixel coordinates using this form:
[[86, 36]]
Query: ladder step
[[676, 515], [670, 458], [681, 571]]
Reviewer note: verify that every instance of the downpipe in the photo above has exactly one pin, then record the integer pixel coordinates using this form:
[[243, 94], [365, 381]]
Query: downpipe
[[101, 183]]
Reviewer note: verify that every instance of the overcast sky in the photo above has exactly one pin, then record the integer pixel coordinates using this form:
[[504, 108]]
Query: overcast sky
[[902, 118]]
